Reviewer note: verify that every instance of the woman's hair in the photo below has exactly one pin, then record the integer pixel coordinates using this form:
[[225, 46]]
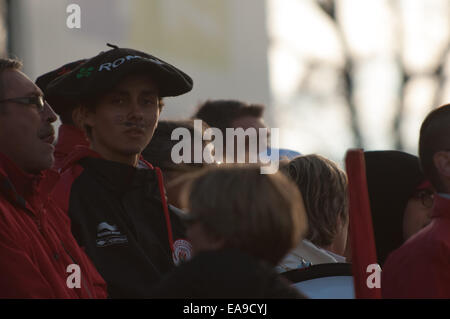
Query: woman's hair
[[392, 178], [260, 214], [324, 188], [222, 113]]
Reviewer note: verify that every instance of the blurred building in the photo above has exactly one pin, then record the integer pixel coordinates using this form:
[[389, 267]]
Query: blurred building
[[221, 44], [334, 74]]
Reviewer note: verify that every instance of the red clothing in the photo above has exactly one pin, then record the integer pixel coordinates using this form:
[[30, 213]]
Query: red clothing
[[36, 244], [69, 136], [421, 267]]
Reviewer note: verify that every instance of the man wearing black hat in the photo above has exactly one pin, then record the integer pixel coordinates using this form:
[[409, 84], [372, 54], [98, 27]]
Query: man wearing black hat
[[115, 199], [70, 132]]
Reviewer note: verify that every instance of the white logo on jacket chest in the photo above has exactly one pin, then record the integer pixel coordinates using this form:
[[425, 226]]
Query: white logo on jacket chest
[[109, 235]]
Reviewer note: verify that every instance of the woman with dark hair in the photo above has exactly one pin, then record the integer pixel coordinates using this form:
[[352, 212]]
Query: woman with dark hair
[[400, 198]]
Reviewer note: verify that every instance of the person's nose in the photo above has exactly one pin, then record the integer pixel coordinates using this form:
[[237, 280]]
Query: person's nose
[[136, 110], [48, 115]]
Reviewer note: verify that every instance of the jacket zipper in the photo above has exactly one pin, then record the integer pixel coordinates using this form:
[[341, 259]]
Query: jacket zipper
[[39, 225]]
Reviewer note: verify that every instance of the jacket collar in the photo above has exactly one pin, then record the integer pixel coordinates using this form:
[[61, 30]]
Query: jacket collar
[[117, 176], [22, 188], [68, 137], [441, 206], [78, 152]]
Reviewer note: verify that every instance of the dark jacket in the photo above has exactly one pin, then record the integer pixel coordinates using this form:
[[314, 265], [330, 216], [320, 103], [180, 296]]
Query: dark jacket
[[36, 245], [119, 214], [223, 274]]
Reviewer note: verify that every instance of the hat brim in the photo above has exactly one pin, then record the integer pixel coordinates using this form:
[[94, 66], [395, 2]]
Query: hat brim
[[99, 75]]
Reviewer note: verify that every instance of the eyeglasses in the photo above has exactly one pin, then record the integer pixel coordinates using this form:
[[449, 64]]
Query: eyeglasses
[[35, 100], [425, 196]]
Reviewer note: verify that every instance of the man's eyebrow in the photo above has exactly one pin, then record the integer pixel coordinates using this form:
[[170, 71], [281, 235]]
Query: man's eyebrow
[[118, 92], [149, 91]]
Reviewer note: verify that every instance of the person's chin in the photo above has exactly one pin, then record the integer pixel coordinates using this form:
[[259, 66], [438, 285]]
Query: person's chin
[[135, 144], [132, 149], [42, 164], [46, 155]]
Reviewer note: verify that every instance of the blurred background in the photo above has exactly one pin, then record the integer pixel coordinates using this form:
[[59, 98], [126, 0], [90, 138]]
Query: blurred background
[[333, 74]]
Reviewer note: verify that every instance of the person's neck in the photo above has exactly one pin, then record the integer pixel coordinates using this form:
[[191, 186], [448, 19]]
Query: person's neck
[[332, 248], [131, 160]]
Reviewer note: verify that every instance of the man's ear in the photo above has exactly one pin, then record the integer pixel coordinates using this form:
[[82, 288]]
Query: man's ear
[[78, 117], [441, 161], [83, 116]]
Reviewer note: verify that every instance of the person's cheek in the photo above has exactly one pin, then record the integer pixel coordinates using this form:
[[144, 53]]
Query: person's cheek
[[426, 217], [415, 218]]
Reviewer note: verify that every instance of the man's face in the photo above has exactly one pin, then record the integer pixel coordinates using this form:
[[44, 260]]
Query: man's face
[[124, 119], [257, 123], [26, 134], [249, 121]]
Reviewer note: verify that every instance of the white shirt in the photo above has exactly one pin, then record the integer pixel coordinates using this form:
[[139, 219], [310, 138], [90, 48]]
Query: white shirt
[[307, 254]]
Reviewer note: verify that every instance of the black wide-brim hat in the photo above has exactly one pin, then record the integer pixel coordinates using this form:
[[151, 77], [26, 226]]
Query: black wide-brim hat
[[58, 104], [102, 72], [43, 80]]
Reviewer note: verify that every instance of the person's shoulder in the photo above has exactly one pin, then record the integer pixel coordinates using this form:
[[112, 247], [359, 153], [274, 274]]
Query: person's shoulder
[[440, 231], [440, 240], [416, 254], [431, 242], [412, 249]]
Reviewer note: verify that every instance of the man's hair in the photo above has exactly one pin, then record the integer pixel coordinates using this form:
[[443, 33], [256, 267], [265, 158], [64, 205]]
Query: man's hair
[[324, 188], [158, 151], [434, 137], [260, 214], [7, 64], [222, 113]]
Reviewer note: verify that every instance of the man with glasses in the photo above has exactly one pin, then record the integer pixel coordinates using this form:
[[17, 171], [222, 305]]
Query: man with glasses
[[36, 246], [421, 267]]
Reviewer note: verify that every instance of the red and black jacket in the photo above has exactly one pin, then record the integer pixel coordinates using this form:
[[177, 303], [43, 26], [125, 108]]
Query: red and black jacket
[[120, 216], [68, 137]]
